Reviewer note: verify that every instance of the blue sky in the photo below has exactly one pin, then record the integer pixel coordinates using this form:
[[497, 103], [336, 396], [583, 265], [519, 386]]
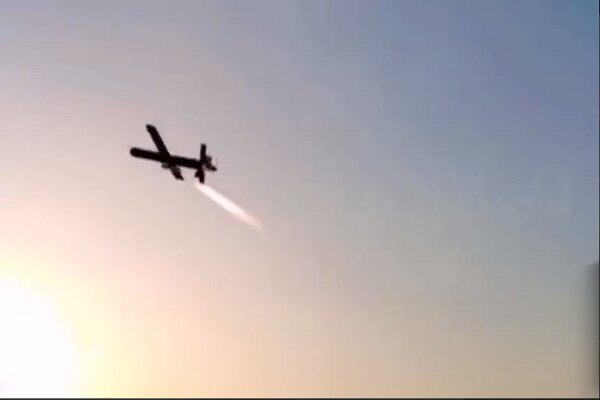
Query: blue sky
[[427, 173]]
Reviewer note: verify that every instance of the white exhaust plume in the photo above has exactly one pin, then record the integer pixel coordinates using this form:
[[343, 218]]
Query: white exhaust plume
[[229, 205]]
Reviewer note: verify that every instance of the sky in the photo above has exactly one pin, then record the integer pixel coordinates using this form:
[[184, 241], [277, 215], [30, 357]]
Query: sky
[[425, 174]]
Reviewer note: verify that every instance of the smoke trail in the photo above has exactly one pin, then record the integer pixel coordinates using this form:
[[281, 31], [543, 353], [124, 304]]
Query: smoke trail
[[229, 205]]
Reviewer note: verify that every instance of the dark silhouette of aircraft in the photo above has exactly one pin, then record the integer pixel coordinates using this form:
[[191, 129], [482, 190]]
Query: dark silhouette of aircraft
[[174, 163]]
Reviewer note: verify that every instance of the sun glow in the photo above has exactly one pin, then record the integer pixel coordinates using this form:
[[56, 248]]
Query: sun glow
[[37, 352]]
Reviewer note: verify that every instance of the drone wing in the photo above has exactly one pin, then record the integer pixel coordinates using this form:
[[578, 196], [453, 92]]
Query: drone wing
[[160, 145]]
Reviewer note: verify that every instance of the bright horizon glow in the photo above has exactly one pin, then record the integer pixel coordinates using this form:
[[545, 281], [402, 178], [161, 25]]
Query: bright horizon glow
[[37, 353], [229, 206]]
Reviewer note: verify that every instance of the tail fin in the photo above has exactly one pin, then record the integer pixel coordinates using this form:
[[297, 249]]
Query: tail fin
[[202, 153], [200, 175]]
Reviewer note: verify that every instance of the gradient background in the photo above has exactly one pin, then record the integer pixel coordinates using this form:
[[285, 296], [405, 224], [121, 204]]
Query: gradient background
[[426, 171]]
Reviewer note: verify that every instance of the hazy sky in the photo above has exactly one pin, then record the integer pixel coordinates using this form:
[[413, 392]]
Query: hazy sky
[[426, 173]]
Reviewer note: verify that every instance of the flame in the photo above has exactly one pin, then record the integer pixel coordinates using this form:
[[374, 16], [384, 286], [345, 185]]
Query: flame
[[229, 205]]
